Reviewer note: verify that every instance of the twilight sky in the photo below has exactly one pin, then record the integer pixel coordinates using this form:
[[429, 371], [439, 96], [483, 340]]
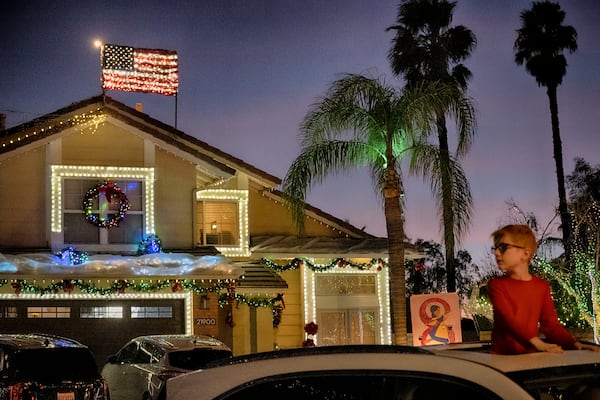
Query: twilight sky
[[250, 69]]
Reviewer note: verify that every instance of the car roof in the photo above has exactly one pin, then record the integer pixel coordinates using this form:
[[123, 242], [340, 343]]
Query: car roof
[[524, 362], [181, 342], [230, 373], [37, 341]]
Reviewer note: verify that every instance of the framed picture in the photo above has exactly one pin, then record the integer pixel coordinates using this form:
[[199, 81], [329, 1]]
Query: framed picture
[[435, 319]]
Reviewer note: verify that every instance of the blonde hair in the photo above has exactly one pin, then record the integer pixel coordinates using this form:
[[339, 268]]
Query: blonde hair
[[521, 235]]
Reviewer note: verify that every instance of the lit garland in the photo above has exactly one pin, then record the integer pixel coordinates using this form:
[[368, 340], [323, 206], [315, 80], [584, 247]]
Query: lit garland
[[117, 287], [111, 191], [276, 304], [296, 263]]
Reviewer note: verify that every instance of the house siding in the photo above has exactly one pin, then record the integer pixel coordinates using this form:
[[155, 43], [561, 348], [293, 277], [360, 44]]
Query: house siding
[[175, 184], [22, 196]]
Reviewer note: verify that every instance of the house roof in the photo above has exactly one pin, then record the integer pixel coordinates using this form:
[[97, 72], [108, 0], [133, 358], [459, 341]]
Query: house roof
[[222, 165], [282, 246], [257, 275]]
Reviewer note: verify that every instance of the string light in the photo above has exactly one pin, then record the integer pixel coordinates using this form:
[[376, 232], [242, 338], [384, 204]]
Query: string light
[[88, 120], [241, 197], [60, 172], [140, 70]]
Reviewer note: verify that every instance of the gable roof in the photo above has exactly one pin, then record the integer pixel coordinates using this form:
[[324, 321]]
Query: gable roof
[[221, 165]]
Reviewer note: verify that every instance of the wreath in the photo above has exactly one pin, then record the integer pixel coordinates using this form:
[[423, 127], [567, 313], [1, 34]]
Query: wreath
[[112, 192]]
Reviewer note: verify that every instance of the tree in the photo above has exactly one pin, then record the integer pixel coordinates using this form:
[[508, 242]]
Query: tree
[[428, 275], [363, 122], [583, 184], [540, 44], [426, 48]]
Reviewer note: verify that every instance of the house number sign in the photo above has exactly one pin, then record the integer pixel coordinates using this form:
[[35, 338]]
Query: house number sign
[[206, 321]]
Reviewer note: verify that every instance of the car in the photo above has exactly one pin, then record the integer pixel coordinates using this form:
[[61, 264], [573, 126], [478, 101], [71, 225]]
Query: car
[[42, 366], [140, 369], [392, 372]]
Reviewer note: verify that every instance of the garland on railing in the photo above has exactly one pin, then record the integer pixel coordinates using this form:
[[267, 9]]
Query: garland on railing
[[277, 304], [376, 263]]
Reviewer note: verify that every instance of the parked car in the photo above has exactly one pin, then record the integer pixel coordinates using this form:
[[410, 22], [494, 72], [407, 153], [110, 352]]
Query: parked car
[[392, 372], [141, 368], [40, 366]]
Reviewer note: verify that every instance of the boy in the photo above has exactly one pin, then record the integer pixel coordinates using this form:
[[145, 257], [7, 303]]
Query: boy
[[522, 302]]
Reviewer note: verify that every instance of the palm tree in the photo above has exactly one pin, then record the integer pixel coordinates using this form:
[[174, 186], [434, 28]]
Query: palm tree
[[363, 122], [540, 43], [427, 49]]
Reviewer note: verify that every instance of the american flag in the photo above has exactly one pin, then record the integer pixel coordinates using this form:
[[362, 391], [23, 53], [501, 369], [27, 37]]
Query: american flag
[[132, 69]]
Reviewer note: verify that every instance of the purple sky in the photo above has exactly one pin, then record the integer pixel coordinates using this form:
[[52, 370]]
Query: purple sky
[[250, 69]]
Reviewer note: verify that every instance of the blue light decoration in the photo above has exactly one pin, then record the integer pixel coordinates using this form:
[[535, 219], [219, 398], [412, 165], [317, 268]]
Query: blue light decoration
[[72, 256], [150, 245]]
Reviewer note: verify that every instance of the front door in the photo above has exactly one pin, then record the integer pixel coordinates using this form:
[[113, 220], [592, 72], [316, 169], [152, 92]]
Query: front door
[[350, 326]]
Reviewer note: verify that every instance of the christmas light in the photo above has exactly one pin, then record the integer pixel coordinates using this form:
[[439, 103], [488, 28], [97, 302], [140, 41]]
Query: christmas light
[[60, 172], [139, 70], [241, 197]]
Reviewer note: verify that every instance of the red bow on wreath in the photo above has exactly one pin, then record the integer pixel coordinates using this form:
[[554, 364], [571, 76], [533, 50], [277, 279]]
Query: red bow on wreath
[[109, 191]]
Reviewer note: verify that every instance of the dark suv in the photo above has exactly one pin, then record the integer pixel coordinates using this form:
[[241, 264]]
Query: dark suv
[[39, 366]]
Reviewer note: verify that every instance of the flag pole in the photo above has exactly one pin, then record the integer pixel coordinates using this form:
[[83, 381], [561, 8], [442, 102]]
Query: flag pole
[[98, 43], [176, 110]]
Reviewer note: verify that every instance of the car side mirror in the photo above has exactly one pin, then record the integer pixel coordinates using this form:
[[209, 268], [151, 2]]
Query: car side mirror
[[112, 358]]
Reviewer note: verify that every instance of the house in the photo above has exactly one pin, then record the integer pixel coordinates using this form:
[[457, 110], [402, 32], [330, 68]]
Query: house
[[114, 225]]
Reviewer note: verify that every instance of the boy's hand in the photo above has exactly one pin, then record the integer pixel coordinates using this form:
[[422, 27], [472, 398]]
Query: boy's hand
[[540, 345], [586, 346]]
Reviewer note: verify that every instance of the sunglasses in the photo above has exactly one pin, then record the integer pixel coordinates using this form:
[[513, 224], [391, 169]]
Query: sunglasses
[[502, 247]]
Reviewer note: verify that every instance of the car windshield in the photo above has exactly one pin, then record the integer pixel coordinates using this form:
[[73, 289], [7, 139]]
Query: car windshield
[[197, 358], [54, 364]]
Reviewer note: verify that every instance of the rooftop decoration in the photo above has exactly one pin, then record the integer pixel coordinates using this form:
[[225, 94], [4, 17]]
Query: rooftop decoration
[[132, 69]]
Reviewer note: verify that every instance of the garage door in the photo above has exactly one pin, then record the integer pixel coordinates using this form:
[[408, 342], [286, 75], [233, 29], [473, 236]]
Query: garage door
[[103, 325]]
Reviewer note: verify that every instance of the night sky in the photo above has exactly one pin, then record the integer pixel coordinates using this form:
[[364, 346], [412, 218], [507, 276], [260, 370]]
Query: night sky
[[250, 69]]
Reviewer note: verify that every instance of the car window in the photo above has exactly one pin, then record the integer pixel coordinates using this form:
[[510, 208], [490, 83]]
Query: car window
[[357, 385], [196, 358], [153, 352], [564, 382], [128, 353], [54, 364]]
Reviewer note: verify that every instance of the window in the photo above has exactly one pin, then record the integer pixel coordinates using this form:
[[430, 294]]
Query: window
[[348, 308], [128, 353], [48, 312], [155, 353], [342, 327], [345, 285], [222, 220], [218, 223], [77, 230], [151, 312], [359, 385], [69, 186], [9, 312], [101, 312]]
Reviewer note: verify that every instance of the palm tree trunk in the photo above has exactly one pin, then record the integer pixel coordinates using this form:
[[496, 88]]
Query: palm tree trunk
[[560, 174], [447, 214], [395, 231]]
